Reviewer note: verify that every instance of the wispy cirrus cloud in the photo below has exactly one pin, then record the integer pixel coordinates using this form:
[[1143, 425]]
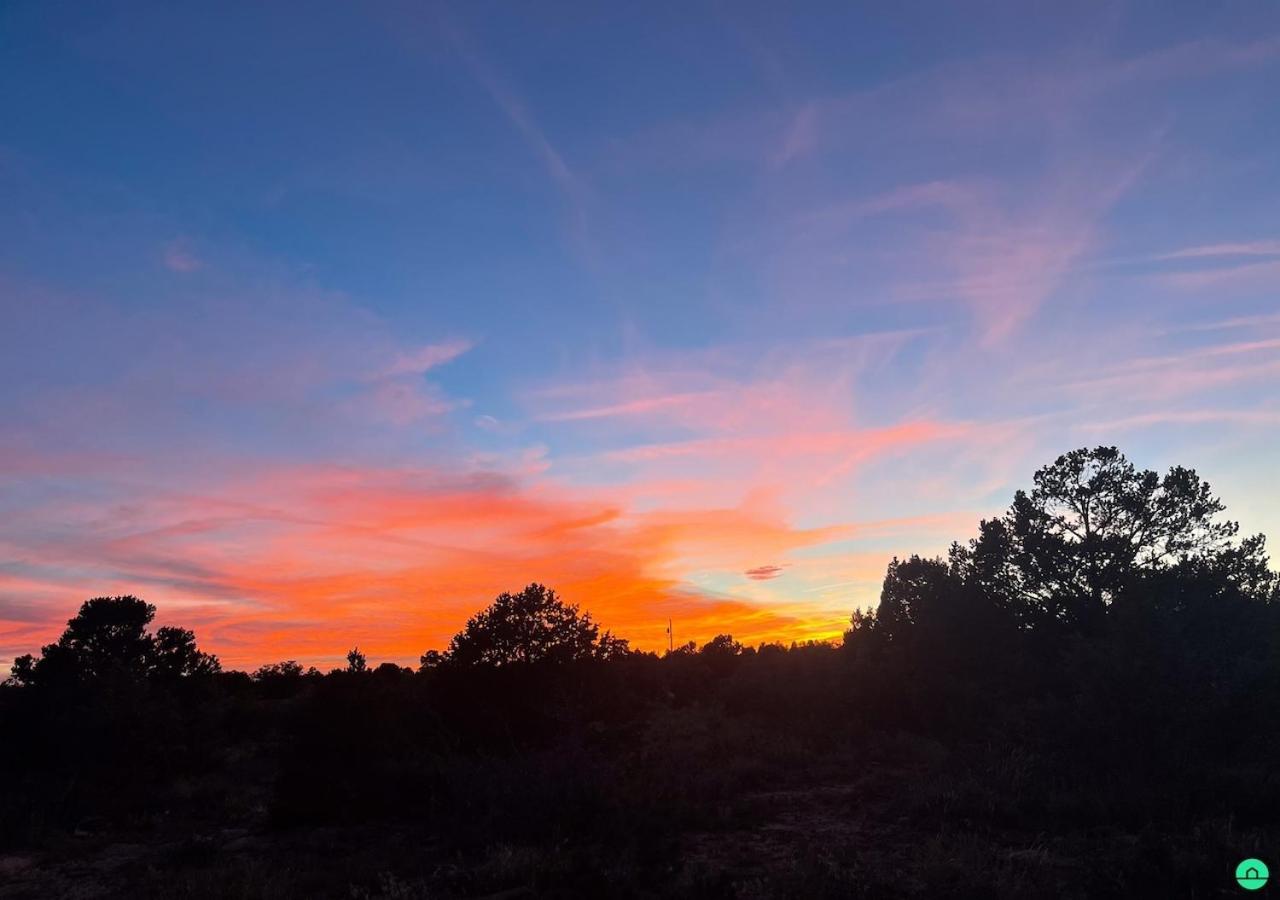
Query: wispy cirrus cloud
[[1229, 323], [426, 358], [1188, 371], [1079, 121], [845, 446], [1256, 275], [398, 394], [634, 407], [513, 107], [400, 402], [302, 360], [1240, 248], [1247, 417]]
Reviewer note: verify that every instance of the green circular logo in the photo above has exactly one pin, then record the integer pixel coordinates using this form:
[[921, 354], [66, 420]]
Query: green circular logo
[[1252, 874]]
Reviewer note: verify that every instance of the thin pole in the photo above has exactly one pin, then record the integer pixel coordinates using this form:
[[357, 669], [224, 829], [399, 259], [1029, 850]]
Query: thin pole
[[671, 638]]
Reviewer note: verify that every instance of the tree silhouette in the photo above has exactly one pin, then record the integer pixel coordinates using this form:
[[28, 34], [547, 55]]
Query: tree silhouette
[[287, 669], [863, 635], [915, 591], [721, 646], [23, 670], [175, 655], [531, 626], [1093, 526], [108, 638], [689, 648], [109, 634], [356, 661]]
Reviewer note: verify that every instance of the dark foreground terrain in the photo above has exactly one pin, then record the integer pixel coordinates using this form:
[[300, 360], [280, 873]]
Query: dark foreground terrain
[[1082, 702], [740, 777]]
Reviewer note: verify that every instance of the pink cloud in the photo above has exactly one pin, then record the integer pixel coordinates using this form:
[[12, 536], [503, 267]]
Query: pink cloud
[[1190, 371], [847, 444], [627, 408], [1007, 258], [400, 403], [1244, 248], [179, 257], [425, 358], [1007, 251]]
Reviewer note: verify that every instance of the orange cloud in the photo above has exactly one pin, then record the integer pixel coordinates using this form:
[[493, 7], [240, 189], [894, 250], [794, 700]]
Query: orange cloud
[[304, 561]]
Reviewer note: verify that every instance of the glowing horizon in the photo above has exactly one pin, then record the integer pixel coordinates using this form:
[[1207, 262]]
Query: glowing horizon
[[325, 328]]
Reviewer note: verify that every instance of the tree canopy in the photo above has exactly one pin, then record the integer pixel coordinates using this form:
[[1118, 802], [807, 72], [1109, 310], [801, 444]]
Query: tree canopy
[[532, 626], [1095, 532], [108, 638], [357, 661]]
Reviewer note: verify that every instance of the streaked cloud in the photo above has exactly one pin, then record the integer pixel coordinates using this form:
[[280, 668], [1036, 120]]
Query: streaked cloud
[[426, 358], [1248, 275], [1244, 248], [1255, 417]]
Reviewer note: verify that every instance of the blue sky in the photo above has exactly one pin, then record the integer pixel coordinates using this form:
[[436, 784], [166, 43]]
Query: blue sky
[[327, 322]]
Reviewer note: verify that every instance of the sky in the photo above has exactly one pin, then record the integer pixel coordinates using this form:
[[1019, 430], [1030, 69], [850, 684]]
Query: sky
[[323, 323]]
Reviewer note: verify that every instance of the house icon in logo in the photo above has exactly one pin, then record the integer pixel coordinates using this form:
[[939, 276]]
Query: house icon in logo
[[1252, 874]]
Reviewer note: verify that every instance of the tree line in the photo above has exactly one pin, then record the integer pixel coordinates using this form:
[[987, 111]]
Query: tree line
[[1094, 543]]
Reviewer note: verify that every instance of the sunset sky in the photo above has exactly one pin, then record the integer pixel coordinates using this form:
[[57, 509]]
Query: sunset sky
[[323, 323]]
